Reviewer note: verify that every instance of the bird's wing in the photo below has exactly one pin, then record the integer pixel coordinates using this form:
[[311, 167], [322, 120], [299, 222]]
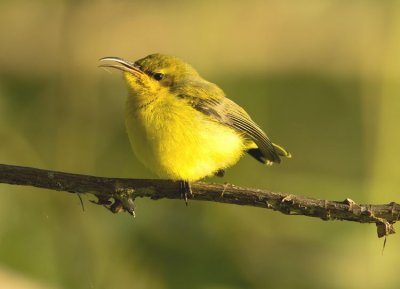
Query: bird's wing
[[227, 112]]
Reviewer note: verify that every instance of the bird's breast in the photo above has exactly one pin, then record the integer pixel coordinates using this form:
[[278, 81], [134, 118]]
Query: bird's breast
[[178, 142]]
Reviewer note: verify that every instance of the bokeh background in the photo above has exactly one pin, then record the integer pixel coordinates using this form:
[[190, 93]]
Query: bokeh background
[[321, 77]]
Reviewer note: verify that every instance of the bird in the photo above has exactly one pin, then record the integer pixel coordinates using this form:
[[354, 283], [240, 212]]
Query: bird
[[183, 127]]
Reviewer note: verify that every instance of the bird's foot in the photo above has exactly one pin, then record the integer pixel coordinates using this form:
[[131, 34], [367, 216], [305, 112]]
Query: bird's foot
[[220, 173], [186, 190]]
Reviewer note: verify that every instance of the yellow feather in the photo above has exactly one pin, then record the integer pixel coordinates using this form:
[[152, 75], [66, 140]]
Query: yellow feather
[[181, 126], [179, 143]]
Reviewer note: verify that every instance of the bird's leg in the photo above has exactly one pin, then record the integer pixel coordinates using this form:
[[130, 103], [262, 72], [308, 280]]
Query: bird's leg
[[220, 173], [186, 190]]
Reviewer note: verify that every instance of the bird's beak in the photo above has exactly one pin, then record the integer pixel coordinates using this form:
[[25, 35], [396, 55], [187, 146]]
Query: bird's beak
[[122, 65]]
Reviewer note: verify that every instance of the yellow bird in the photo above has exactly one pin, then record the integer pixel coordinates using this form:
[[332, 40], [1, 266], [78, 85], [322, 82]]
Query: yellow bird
[[181, 126]]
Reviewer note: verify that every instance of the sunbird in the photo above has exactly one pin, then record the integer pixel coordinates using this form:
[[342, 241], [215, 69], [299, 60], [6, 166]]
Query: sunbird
[[183, 127]]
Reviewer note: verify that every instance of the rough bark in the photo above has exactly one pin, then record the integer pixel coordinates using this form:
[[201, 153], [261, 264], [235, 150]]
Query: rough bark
[[118, 194]]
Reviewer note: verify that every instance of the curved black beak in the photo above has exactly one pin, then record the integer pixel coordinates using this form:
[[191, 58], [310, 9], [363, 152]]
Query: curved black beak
[[121, 64]]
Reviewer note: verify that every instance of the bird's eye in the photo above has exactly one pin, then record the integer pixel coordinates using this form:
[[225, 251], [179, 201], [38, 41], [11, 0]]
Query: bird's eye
[[158, 76]]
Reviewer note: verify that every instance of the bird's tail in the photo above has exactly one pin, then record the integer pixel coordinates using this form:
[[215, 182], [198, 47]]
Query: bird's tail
[[278, 152], [281, 151]]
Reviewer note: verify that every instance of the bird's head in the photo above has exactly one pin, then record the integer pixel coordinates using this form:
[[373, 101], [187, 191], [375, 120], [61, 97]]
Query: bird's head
[[153, 73]]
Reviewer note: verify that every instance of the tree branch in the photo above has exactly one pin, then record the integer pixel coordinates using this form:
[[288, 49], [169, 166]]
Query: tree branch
[[118, 195]]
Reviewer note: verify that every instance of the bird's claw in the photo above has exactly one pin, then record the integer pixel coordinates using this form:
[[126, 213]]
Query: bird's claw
[[186, 191]]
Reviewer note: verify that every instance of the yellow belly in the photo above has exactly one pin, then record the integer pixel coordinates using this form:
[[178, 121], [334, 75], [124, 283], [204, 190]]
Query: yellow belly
[[179, 143]]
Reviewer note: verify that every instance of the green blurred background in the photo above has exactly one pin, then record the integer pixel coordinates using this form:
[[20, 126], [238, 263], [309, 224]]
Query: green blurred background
[[322, 78]]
